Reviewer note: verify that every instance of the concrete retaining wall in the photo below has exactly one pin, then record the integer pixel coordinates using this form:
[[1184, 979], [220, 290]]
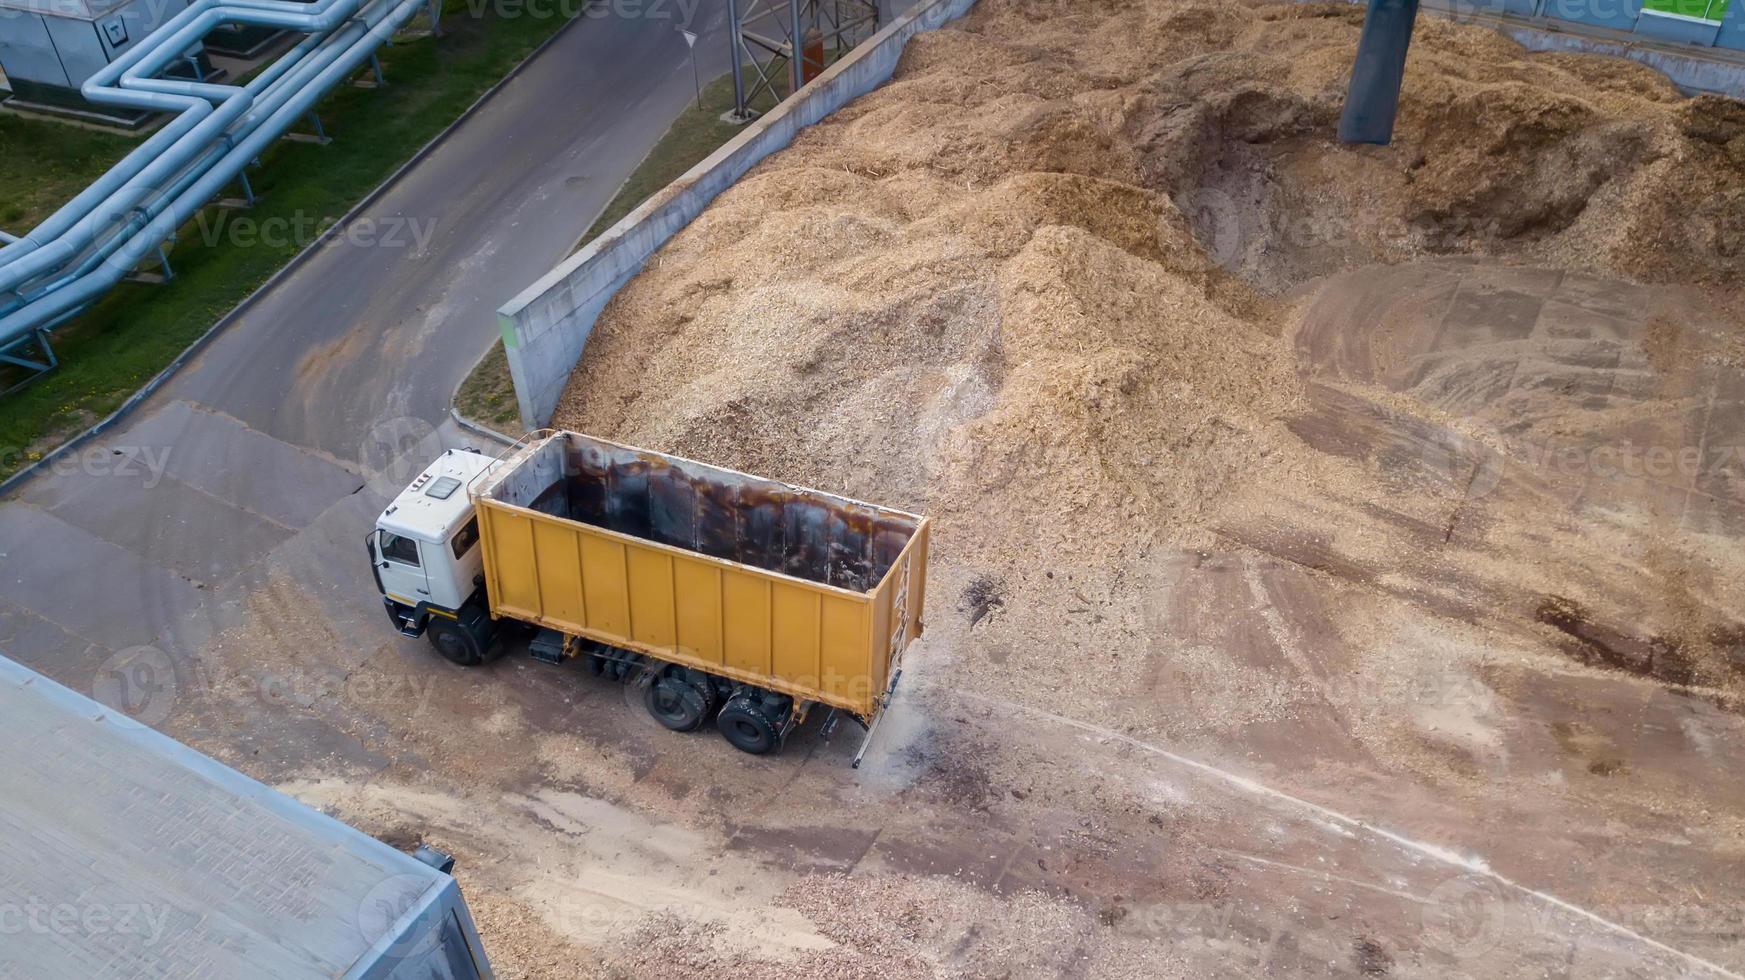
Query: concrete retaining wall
[[1699, 58], [547, 326], [1694, 69]]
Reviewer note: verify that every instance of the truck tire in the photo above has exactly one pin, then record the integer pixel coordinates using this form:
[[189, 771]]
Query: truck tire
[[678, 702], [748, 725], [456, 643]]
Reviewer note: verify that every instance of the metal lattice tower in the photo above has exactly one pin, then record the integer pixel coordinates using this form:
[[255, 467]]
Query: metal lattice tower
[[764, 35]]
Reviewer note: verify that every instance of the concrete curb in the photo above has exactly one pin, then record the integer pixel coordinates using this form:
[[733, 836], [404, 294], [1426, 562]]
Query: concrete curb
[[478, 428], [546, 326], [14, 483]]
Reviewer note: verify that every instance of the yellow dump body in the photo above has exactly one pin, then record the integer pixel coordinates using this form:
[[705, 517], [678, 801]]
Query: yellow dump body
[[794, 590]]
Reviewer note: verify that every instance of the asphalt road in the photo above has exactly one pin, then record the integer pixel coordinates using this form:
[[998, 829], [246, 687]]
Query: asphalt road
[[342, 372]]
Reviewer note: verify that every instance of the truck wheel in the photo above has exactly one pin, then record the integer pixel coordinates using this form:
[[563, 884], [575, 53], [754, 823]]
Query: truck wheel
[[455, 643], [677, 703], [744, 722]]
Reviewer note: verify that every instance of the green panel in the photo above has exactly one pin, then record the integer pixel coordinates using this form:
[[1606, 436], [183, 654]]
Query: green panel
[[1709, 10]]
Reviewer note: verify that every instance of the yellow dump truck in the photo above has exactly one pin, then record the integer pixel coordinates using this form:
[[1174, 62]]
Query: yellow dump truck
[[723, 596]]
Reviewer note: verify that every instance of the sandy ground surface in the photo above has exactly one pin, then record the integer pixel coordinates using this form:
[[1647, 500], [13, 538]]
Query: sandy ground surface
[[1336, 563]]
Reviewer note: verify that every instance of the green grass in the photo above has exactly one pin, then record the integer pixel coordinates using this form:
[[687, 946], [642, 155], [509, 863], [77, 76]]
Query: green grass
[[488, 395], [43, 164], [138, 329]]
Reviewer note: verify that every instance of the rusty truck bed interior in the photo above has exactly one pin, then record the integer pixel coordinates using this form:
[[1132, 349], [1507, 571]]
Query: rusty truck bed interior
[[807, 534]]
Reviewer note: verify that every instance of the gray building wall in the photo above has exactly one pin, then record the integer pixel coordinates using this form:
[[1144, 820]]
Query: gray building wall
[[48, 48], [27, 52]]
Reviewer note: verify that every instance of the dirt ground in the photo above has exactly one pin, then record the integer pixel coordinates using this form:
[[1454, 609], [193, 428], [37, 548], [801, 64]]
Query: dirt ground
[[1336, 566]]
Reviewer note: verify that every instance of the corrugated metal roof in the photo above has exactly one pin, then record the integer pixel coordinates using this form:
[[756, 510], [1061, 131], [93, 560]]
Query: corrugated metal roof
[[126, 854]]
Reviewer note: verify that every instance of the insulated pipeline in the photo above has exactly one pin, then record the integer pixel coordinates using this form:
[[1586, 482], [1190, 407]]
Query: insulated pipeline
[[91, 243]]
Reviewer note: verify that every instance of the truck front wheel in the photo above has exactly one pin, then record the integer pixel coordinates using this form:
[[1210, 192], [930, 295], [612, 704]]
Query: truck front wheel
[[746, 723], [455, 642]]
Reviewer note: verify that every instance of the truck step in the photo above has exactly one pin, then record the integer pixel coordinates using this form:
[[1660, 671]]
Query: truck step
[[547, 647]]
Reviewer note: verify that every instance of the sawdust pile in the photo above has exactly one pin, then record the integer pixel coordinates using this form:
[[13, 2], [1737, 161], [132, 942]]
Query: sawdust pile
[[1570, 160], [1039, 286], [998, 277], [922, 305]]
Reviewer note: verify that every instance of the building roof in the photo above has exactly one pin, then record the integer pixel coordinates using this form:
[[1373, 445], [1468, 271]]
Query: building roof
[[74, 9], [126, 854]]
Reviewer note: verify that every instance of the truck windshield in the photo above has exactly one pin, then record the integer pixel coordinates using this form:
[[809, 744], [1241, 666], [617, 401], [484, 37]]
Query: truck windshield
[[402, 550]]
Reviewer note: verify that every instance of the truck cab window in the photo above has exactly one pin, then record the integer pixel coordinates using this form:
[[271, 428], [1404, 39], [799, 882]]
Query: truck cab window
[[400, 549], [465, 538]]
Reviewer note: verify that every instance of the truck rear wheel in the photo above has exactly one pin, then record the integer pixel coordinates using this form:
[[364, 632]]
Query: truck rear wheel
[[679, 701], [747, 723], [456, 643]]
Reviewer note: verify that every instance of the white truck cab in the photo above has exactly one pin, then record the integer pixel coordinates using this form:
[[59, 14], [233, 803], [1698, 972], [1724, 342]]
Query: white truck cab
[[428, 563]]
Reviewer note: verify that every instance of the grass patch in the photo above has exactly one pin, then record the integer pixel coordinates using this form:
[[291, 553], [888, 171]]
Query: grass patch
[[488, 395], [136, 329], [43, 164]]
